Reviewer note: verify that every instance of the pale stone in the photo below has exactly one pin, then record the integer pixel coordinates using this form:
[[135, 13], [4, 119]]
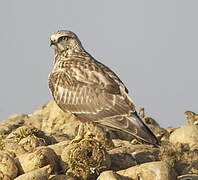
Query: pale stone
[[38, 174], [40, 158], [187, 134], [150, 171], [7, 165], [109, 175]]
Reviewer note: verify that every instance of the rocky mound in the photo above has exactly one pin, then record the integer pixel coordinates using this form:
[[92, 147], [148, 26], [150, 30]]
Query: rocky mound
[[52, 145]]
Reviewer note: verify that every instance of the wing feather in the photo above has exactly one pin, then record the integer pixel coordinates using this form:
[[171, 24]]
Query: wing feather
[[80, 98], [132, 125]]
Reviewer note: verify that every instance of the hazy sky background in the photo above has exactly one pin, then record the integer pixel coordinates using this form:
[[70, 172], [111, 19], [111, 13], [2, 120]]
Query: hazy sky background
[[152, 45]]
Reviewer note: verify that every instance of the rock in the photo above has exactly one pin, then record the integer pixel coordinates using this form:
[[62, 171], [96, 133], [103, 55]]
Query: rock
[[4, 176], [40, 158], [84, 158], [53, 121], [188, 177], [187, 162], [58, 123], [31, 142], [170, 130], [122, 161], [26, 131], [169, 153], [62, 177], [28, 138], [149, 171], [36, 118], [35, 121], [191, 117], [180, 157], [14, 149], [13, 122], [58, 147], [109, 175], [45, 143], [24, 139], [187, 134], [8, 166], [129, 155], [38, 174]]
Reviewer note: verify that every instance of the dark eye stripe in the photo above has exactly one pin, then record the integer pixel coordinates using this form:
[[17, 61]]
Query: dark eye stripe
[[62, 38]]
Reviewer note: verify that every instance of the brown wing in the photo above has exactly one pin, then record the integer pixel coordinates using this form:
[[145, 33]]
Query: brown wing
[[85, 98], [111, 74]]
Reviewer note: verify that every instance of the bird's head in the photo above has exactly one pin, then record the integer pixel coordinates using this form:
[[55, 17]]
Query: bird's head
[[65, 41]]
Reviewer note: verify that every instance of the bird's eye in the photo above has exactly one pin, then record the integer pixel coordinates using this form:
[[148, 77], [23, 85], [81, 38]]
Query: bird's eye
[[62, 38]]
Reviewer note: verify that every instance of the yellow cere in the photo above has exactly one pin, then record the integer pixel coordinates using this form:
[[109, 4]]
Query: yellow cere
[[53, 37]]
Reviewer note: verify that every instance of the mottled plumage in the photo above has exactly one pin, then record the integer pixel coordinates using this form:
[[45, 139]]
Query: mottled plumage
[[90, 90]]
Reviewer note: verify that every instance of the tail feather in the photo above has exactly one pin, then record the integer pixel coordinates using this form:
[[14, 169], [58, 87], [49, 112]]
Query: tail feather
[[143, 131], [132, 125]]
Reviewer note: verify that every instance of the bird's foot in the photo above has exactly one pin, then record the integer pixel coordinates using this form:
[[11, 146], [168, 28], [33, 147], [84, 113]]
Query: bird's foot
[[82, 134]]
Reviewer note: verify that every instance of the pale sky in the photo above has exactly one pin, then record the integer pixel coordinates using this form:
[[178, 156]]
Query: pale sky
[[151, 45]]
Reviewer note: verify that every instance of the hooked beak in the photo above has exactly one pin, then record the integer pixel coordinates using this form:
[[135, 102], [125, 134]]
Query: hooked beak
[[52, 43]]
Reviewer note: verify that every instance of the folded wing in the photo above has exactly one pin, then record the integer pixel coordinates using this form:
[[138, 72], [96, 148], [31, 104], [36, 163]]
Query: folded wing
[[103, 103]]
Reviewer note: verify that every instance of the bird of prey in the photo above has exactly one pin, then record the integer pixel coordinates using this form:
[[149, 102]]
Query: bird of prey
[[90, 90]]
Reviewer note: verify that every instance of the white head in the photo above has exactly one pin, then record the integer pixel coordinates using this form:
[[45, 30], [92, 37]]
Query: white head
[[65, 41]]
